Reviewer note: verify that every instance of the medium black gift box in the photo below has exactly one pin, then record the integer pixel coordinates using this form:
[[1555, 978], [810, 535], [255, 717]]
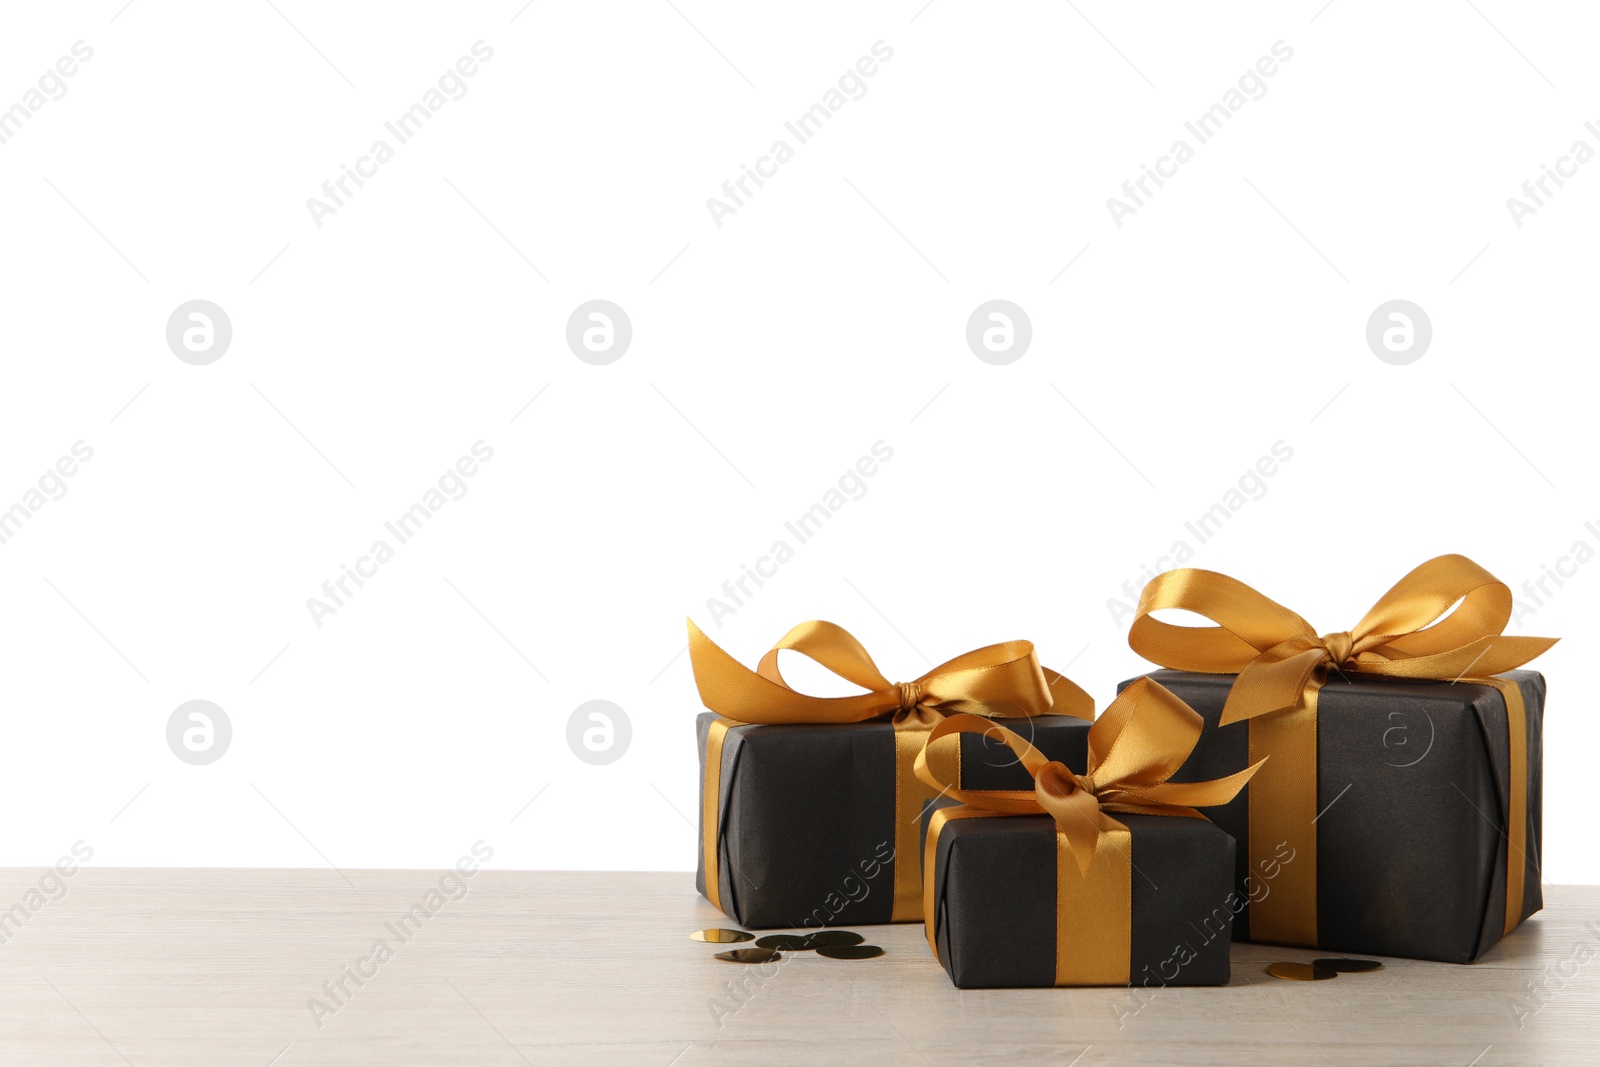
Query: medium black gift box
[[1412, 789], [806, 813], [994, 900]]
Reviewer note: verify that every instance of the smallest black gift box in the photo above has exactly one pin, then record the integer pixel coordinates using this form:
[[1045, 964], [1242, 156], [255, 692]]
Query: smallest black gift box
[[1104, 878], [994, 900]]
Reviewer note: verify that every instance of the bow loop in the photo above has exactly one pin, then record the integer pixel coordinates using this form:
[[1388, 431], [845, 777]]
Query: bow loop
[[1411, 632], [1140, 742], [1002, 680], [832, 646]]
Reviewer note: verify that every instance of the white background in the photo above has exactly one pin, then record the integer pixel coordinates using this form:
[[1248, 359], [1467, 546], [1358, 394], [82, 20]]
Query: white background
[[827, 314]]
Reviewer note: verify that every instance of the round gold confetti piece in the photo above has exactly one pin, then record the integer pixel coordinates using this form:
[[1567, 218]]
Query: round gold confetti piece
[[804, 942], [1301, 972], [837, 938], [1347, 966], [721, 936], [850, 952], [750, 955], [786, 942]]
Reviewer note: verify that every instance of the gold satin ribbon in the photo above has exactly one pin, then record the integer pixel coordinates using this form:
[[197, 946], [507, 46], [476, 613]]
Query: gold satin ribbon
[[930, 856], [710, 805], [1003, 680], [1281, 663], [1517, 805], [1134, 747]]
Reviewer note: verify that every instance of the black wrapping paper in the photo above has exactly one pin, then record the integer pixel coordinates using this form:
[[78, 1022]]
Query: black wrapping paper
[[807, 813], [995, 900], [1412, 786]]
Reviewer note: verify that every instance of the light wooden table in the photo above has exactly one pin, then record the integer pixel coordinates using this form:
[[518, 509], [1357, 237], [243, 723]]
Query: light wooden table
[[216, 967]]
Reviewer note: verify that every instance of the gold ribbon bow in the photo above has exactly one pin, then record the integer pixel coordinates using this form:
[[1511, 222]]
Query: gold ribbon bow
[[1282, 662], [1134, 748], [1003, 680]]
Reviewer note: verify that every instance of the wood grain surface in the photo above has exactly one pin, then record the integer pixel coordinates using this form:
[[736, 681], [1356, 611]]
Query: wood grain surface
[[221, 967]]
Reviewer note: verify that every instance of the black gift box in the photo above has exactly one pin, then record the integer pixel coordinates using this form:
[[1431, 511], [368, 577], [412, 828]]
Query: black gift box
[[994, 900], [806, 835], [1412, 785]]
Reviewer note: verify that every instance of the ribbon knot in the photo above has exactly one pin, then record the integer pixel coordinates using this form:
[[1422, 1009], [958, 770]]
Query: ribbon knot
[[1140, 742], [910, 695], [1338, 646], [1056, 780]]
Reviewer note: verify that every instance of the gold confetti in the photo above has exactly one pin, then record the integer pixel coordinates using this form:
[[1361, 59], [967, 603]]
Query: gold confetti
[[1347, 966], [803, 942], [850, 952], [750, 955], [721, 936], [1302, 972]]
